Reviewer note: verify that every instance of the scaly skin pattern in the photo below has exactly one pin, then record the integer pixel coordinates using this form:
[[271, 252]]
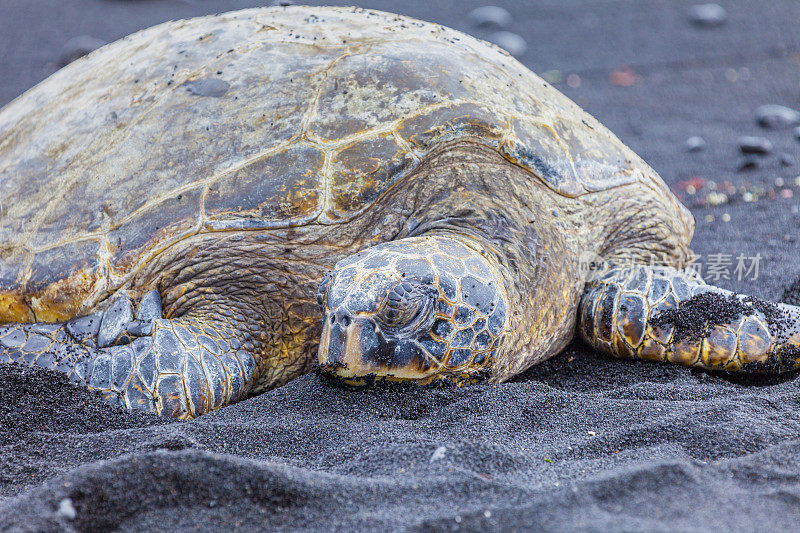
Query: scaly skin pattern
[[669, 315], [469, 319]]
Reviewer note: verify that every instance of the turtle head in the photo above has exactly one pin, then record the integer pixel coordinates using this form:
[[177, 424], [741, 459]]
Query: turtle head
[[416, 309]]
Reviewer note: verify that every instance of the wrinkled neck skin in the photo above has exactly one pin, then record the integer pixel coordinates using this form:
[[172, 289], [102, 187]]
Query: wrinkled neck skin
[[525, 231]]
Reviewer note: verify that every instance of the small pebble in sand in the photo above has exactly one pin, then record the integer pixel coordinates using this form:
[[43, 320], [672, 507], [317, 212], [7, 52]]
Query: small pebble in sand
[[695, 144], [754, 145], [776, 116], [438, 454], [510, 42], [726, 217], [749, 163], [624, 76], [574, 81], [78, 47], [490, 17], [591, 433], [787, 160], [779, 181], [66, 509], [693, 184], [709, 218], [552, 76], [787, 193], [708, 15], [716, 198]]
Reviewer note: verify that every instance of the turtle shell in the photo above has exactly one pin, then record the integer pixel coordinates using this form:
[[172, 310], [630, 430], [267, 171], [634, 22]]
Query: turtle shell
[[262, 118]]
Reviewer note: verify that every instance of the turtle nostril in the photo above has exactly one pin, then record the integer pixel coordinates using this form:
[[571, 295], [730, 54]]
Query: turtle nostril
[[342, 318]]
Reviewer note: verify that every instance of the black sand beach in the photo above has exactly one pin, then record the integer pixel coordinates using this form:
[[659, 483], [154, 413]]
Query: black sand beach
[[580, 442]]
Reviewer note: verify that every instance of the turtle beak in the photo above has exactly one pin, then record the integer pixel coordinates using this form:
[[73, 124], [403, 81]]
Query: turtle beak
[[345, 340], [355, 347]]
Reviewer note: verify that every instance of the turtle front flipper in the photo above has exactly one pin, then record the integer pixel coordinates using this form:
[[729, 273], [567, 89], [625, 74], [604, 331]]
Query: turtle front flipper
[[664, 314], [181, 367]]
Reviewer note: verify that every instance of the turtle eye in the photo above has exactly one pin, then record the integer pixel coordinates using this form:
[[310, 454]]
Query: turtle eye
[[407, 307], [322, 290]]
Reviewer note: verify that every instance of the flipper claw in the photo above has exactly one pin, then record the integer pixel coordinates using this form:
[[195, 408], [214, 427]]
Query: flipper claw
[[149, 307], [115, 319], [85, 328]]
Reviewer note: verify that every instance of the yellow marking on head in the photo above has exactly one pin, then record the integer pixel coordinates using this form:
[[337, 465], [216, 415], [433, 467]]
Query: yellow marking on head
[[352, 346]]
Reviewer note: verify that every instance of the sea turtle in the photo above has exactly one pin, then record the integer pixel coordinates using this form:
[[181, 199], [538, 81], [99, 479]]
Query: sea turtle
[[187, 211]]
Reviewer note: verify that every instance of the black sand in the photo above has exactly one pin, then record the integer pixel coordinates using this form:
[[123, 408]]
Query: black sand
[[579, 442]]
